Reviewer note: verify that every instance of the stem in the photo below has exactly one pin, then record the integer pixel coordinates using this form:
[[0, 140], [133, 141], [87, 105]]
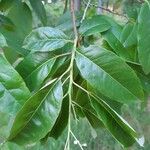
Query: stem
[[77, 140], [67, 146], [74, 19], [70, 89], [85, 11], [80, 87], [106, 9]]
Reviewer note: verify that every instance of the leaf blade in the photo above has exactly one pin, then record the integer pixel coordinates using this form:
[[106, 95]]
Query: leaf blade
[[18, 24], [100, 69], [38, 115], [114, 123], [39, 10], [94, 25], [13, 94], [45, 39], [143, 39], [37, 67]]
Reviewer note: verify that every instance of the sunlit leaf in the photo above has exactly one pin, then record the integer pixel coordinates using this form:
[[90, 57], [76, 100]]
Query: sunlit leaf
[[109, 74], [94, 25], [13, 94], [38, 116], [45, 39]]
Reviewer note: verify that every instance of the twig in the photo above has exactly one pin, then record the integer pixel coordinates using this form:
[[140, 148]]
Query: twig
[[74, 19], [72, 8], [107, 10], [78, 142], [112, 12], [85, 11]]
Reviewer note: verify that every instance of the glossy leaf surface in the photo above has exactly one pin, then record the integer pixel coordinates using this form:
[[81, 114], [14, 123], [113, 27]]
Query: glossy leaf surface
[[132, 39], [13, 94], [94, 25], [62, 120], [109, 74], [116, 45], [84, 108], [57, 59], [38, 115], [45, 39], [31, 62], [118, 127], [35, 68]]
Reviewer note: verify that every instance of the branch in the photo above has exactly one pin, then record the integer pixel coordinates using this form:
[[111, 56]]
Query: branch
[[73, 18], [70, 89], [106, 9], [85, 11], [110, 11]]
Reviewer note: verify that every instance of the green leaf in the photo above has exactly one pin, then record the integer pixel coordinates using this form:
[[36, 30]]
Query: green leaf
[[45, 39], [38, 116], [65, 21], [132, 39], [83, 101], [21, 18], [143, 38], [82, 98], [84, 108], [12, 56], [93, 119], [145, 79], [39, 9], [31, 62], [114, 123], [61, 121], [112, 37], [108, 74], [116, 29], [132, 8], [90, 115], [3, 42], [114, 104], [35, 68], [6, 23], [36, 77], [5, 4], [11, 146], [126, 32], [116, 45], [13, 94], [94, 25]]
